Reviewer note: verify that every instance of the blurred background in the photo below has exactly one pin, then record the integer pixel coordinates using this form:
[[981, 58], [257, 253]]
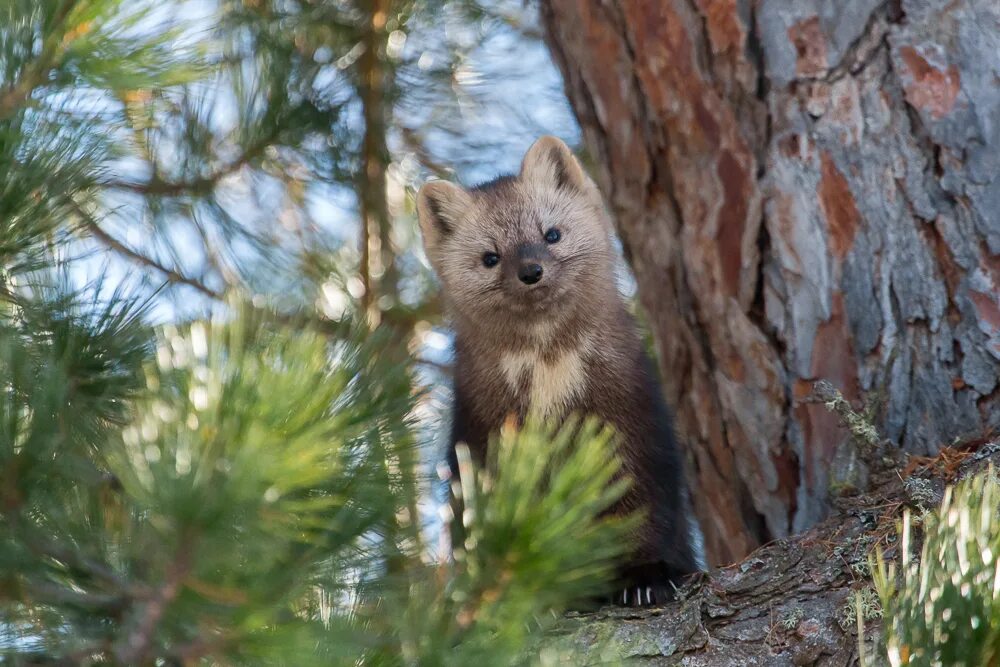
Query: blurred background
[[284, 157]]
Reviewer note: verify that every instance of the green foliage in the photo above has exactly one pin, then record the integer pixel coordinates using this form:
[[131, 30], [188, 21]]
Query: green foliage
[[540, 486], [251, 473], [68, 366], [944, 609], [535, 541], [249, 463]]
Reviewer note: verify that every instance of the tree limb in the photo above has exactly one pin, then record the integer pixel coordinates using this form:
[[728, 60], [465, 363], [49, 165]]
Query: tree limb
[[201, 185], [789, 602], [436, 365], [512, 21], [114, 244], [137, 645], [18, 93], [416, 144]]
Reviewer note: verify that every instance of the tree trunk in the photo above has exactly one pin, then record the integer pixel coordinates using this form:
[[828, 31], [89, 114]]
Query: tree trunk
[[804, 190], [789, 602], [379, 275]]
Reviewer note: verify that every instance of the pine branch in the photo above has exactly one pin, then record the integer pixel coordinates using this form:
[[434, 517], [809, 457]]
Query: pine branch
[[18, 93], [75, 560], [117, 246], [416, 144], [512, 21], [395, 317], [374, 78], [436, 365], [138, 643], [200, 185], [62, 595], [15, 96], [200, 648]]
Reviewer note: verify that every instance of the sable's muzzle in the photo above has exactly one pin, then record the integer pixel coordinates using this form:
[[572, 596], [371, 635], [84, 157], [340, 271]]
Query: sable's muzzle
[[529, 274], [531, 258]]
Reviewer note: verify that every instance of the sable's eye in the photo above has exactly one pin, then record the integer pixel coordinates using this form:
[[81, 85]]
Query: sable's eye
[[553, 235], [490, 260]]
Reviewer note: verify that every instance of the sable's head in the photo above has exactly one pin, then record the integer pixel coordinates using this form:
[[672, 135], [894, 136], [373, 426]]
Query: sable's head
[[529, 247]]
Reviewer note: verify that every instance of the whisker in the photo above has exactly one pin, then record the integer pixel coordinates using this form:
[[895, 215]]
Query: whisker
[[595, 255], [487, 289]]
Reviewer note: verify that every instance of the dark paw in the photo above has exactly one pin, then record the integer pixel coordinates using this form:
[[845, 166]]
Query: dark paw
[[642, 596], [645, 585]]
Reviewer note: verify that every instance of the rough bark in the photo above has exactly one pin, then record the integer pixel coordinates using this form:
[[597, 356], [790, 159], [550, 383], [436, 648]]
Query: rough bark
[[787, 603], [804, 190]]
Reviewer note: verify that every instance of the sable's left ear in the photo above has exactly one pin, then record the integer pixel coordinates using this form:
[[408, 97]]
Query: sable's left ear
[[549, 161]]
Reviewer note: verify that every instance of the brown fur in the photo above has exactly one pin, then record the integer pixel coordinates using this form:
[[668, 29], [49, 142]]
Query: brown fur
[[565, 344]]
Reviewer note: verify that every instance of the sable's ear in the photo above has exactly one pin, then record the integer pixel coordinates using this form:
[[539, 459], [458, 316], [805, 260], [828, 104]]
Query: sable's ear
[[440, 208], [549, 161]]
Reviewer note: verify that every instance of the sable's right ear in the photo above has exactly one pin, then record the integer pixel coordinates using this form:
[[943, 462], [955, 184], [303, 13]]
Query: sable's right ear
[[440, 208], [550, 162]]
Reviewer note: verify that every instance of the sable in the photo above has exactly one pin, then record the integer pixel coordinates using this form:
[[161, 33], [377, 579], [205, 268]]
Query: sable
[[528, 270]]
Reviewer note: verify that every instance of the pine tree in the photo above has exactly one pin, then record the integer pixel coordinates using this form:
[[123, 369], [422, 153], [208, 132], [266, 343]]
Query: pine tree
[[239, 488], [944, 608]]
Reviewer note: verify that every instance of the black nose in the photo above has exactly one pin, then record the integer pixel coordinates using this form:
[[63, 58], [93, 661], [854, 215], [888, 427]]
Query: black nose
[[530, 273]]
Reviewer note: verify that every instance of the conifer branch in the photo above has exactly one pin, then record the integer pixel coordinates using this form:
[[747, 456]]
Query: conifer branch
[[77, 561], [375, 76], [200, 648], [416, 144], [436, 365], [117, 246], [18, 93], [55, 594], [138, 643], [201, 185], [511, 20], [72, 559]]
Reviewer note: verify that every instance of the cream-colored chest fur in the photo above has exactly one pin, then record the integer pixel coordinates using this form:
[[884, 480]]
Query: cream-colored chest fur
[[552, 384]]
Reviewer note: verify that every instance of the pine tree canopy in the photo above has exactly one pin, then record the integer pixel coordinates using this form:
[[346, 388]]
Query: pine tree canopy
[[230, 489]]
